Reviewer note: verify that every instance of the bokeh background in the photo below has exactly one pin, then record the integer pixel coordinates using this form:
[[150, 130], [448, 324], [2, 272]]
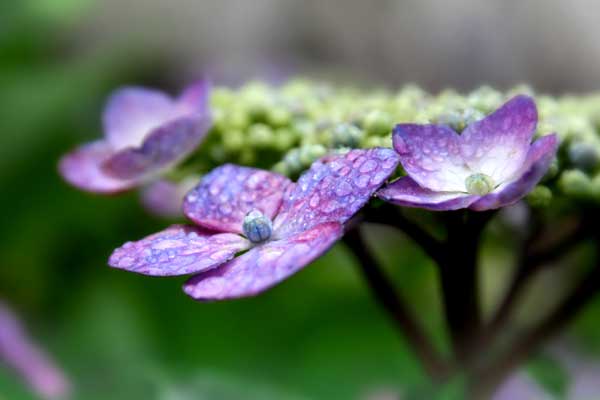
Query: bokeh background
[[316, 336]]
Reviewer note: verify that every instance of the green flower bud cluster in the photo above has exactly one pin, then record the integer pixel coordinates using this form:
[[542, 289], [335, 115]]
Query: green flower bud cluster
[[285, 128]]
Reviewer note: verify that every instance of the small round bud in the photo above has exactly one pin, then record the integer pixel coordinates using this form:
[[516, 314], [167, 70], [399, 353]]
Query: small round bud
[[584, 156], [539, 197], [575, 182], [260, 135], [257, 227], [346, 135], [308, 154], [378, 122], [278, 116], [479, 184]]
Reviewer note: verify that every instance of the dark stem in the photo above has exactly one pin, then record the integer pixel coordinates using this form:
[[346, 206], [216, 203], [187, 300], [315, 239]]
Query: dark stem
[[386, 295], [459, 279], [489, 378]]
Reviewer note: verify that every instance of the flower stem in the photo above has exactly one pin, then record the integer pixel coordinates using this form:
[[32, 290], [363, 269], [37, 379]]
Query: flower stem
[[390, 300]]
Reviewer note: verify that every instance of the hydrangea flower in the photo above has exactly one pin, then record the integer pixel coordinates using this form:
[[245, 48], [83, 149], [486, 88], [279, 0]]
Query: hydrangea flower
[[490, 165], [255, 228], [19, 353], [145, 132], [163, 198]]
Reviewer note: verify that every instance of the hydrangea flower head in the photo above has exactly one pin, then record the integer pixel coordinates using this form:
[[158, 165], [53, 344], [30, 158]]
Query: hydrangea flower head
[[490, 165], [145, 132], [255, 228]]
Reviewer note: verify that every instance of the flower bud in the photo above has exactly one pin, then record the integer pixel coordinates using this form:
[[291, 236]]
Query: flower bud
[[458, 120], [257, 227], [378, 123], [539, 197], [346, 135], [575, 182], [584, 156]]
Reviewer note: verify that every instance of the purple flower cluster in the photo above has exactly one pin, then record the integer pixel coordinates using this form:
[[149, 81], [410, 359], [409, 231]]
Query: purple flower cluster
[[254, 228]]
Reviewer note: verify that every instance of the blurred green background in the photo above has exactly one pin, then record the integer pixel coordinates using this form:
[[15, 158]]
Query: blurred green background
[[123, 336]]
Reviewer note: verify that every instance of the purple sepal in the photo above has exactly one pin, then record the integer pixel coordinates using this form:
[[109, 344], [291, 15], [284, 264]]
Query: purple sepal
[[538, 160], [81, 168], [406, 192], [334, 189], [178, 250], [18, 352], [264, 266], [225, 195], [498, 144], [163, 147], [431, 155]]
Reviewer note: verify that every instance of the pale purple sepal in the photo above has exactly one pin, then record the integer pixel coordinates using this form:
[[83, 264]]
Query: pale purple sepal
[[406, 192], [163, 147], [146, 132], [178, 250], [520, 386], [81, 168], [431, 155], [539, 157], [265, 265], [334, 189], [498, 144], [19, 353], [225, 195]]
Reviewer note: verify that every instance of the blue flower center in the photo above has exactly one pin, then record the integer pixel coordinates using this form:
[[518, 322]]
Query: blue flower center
[[479, 184], [257, 227]]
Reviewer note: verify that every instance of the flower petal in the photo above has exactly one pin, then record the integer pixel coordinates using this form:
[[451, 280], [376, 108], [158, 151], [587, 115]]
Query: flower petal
[[497, 145], [164, 146], [81, 168], [195, 98], [539, 157], [430, 154], [264, 266], [132, 112], [406, 192], [178, 250], [20, 353], [224, 196], [334, 189]]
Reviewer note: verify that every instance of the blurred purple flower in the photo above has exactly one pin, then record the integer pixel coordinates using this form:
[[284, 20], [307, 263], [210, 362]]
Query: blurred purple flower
[[145, 132], [19, 353], [279, 225], [165, 198], [519, 386], [490, 165]]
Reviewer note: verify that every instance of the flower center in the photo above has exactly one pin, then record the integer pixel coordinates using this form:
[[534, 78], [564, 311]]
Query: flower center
[[257, 227], [479, 184]]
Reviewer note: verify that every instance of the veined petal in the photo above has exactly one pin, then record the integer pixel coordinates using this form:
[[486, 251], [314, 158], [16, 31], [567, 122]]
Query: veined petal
[[178, 250], [224, 197], [264, 266], [334, 189], [430, 154], [132, 112], [164, 146], [82, 168], [497, 145], [406, 192], [539, 157]]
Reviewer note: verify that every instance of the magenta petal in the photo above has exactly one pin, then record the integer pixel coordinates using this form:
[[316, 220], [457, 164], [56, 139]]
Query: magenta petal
[[430, 154], [81, 168], [334, 189], [406, 192], [163, 147], [264, 266], [539, 157], [178, 250], [497, 145], [132, 112], [18, 352], [224, 196]]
